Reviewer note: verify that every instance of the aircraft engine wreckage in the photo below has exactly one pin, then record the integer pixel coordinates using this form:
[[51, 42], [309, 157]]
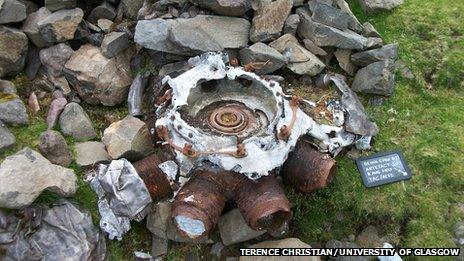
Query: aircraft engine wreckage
[[226, 134]]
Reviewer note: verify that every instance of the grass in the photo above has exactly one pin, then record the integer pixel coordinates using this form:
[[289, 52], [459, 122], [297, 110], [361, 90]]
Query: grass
[[424, 119]]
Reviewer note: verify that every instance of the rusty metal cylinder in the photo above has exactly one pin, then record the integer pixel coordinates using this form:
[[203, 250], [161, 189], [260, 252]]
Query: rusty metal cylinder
[[263, 203], [154, 178], [307, 169], [199, 204]]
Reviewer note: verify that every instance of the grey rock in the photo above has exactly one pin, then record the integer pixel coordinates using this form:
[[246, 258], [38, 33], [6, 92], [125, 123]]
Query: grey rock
[[216, 250], [379, 5], [54, 58], [97, 79], [24, 175], [459, 230], [268, 21], [158, 218], [369, 237], [114, 43], [313, 48], [55, 5], [369, 30], [31, 28], [225, 7], [260, 52], [343, 58], [323, 35], [7, 87], [135, 96], [12, 11], [284, 243], [13, 111], [404, 70], [105, 25], [7, 139], [33, 63], [95, 39], [159, 246], [376, 78], [234, 229], [76, 123], [61, 25], [103, 11], [53, 146], [131, 8], [192, 41], [228, 32], [128, 138], [331, 16], [300, 60], [387, 52], [30, 6], [373, 42], [56, 107], [90, 153], [291, 24], [354, 24], [13, 51]]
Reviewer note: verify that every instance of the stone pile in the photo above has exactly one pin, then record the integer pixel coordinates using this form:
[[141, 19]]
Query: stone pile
[[91, 51]]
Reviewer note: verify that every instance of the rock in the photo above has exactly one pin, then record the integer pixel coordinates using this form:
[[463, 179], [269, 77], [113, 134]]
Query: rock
[[128, 138], [269, 20], [97, 79], [54, 58], [459, 233], [192, 41], [90, 153], [313, 48], [343, 58], [369, 30], [284, 243], [31, 28], [387, 52], [157, 219], [131, 8], [354, 24], [56, 107], [291, 24], [33, 63], [95, 39], [12, 110], [53, 146], [55, 5], [370, 6], [216, 250], [228, 32], [369, 237], [61, 25], [105, 25], [331, 16], [30, 6], [12, 11], [300, 60], [404, 70], [114, 43], [103, 11], [7, 87], [24, 175], [13, 51], [76, 123], [376, 78], [323, 35], [7, 139], [159, 246], [373, 42], [234, 229], [225, 7], [260, 52]]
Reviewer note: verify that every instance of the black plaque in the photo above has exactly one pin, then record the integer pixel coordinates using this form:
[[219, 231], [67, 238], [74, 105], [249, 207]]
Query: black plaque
[[383, 168]]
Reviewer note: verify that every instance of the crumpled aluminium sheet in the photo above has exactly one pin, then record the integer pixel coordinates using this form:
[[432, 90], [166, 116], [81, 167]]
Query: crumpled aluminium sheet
[[122, 196], [269, 151], [60, 232]]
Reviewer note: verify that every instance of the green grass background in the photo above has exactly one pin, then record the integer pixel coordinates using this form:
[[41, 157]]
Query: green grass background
[[424, 119]]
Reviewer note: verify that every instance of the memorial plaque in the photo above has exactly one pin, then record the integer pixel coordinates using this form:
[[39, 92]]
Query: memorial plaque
[[383, 168]]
